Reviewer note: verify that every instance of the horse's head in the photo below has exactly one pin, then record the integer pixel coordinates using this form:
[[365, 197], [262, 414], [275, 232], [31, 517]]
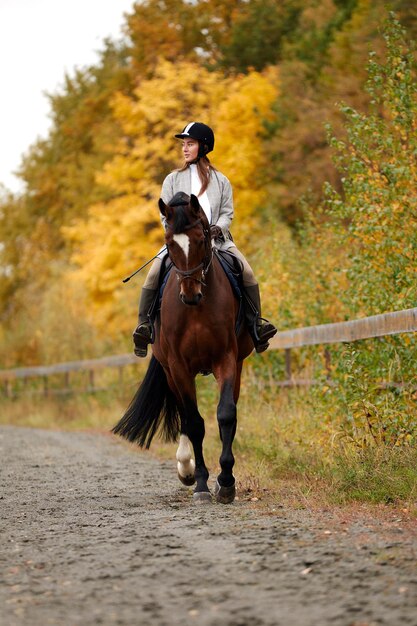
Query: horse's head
[[189, 244]]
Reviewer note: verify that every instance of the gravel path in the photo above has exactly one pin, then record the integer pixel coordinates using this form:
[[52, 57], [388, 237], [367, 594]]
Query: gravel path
[[95, 533]]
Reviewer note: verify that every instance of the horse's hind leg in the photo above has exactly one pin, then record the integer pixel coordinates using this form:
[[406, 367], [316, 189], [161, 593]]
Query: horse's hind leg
[[185, 462], [192, 428]]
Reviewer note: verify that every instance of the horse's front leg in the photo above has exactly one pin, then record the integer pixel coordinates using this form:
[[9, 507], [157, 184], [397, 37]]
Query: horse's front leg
[[196, 431], [225, 489]]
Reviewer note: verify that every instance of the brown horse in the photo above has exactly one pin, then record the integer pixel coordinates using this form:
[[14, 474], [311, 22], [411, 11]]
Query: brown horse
[[194, 333]]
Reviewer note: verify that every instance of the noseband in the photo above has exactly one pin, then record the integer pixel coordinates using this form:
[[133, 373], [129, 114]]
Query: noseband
[[204, 266]]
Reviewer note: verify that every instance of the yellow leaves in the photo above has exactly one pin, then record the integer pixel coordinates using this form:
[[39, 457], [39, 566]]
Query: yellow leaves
[[121, 174], [176, 94]]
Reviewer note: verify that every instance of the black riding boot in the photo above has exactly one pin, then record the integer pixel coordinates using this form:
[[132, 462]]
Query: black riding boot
[[260, 329], [144, 335]]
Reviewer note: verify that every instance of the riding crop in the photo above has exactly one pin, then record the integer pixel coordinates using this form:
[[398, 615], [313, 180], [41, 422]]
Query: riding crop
[[125, 280]]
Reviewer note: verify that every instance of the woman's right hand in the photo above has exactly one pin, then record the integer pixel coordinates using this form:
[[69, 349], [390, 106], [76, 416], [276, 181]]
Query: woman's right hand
[[216, 232]]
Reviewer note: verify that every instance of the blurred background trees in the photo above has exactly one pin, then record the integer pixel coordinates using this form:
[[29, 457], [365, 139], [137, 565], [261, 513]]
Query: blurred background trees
[[268, 77]]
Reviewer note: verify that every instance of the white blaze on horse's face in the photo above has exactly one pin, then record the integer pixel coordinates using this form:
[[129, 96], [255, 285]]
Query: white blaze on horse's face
[[190, 282], [184, 243]]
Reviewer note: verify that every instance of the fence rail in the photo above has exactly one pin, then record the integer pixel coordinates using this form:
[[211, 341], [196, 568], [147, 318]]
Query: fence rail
[[120, 360], [394, 323], [344, 332], [46, 371]]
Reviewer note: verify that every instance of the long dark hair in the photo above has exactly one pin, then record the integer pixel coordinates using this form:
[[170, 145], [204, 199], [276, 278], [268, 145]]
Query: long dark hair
[[204, 168]]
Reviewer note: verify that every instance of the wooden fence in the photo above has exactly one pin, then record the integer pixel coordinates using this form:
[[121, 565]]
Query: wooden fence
[[7, 377], [342, 332]]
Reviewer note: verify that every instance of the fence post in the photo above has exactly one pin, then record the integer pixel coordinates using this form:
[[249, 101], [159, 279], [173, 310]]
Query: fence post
[[7, 388], [288, 363], [327, 361]]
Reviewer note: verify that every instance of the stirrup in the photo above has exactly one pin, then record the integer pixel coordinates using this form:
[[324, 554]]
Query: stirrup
[[263, 332]]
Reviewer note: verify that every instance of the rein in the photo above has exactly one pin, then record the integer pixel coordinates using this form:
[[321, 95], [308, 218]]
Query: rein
[[204, 266]]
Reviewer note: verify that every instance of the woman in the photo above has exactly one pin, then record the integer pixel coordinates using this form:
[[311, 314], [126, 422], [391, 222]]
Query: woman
[[214, 192]]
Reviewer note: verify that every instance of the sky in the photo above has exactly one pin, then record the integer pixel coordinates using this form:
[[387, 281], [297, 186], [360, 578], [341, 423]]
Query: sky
[[40, 41]]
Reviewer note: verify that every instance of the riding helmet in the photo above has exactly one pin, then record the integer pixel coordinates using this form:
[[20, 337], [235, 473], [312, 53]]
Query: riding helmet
[[202, 133]]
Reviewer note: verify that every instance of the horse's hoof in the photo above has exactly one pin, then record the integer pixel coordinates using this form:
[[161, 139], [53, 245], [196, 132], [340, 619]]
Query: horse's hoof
[[225, 495], [185, 468], [202, 497], [187, 480]]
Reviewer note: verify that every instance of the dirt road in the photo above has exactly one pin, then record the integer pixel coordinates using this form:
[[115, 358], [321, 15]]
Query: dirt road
[[94, 533]]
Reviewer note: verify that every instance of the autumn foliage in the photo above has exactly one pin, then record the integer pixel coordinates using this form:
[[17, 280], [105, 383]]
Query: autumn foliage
[[295, 105]]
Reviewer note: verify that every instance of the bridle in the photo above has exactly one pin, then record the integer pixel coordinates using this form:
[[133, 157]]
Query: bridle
[[205, 264]]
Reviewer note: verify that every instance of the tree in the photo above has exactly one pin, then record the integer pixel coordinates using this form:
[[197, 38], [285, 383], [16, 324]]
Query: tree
[[257, 34], [379, 174], [316, 81]]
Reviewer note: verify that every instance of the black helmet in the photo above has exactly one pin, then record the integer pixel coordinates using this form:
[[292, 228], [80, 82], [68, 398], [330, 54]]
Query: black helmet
[[202, 133]]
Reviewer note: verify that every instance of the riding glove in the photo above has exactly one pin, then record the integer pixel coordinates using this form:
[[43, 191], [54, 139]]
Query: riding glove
[[216, 232]]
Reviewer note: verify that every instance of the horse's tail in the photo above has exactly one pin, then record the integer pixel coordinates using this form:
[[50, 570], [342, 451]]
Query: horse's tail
[[153, 408]]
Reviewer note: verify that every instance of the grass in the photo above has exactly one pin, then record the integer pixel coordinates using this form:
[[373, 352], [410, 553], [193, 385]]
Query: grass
[[285, 446], [387, 475]]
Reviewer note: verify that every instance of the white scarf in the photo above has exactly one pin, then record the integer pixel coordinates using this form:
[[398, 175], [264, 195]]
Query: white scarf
[[195, 189]]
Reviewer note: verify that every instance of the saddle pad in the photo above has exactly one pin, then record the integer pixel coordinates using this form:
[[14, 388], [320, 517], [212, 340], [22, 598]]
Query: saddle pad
[[232, 269]]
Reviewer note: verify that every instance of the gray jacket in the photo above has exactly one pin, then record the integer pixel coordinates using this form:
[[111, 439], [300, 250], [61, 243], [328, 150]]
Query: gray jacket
[[220, 195]]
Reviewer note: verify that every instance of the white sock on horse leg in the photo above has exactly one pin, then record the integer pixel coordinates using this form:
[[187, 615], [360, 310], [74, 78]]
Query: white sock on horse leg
[[185, 465]]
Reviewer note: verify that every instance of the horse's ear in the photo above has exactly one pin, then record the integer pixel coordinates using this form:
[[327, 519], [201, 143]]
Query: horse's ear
[[164, 208], [194, 203]]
